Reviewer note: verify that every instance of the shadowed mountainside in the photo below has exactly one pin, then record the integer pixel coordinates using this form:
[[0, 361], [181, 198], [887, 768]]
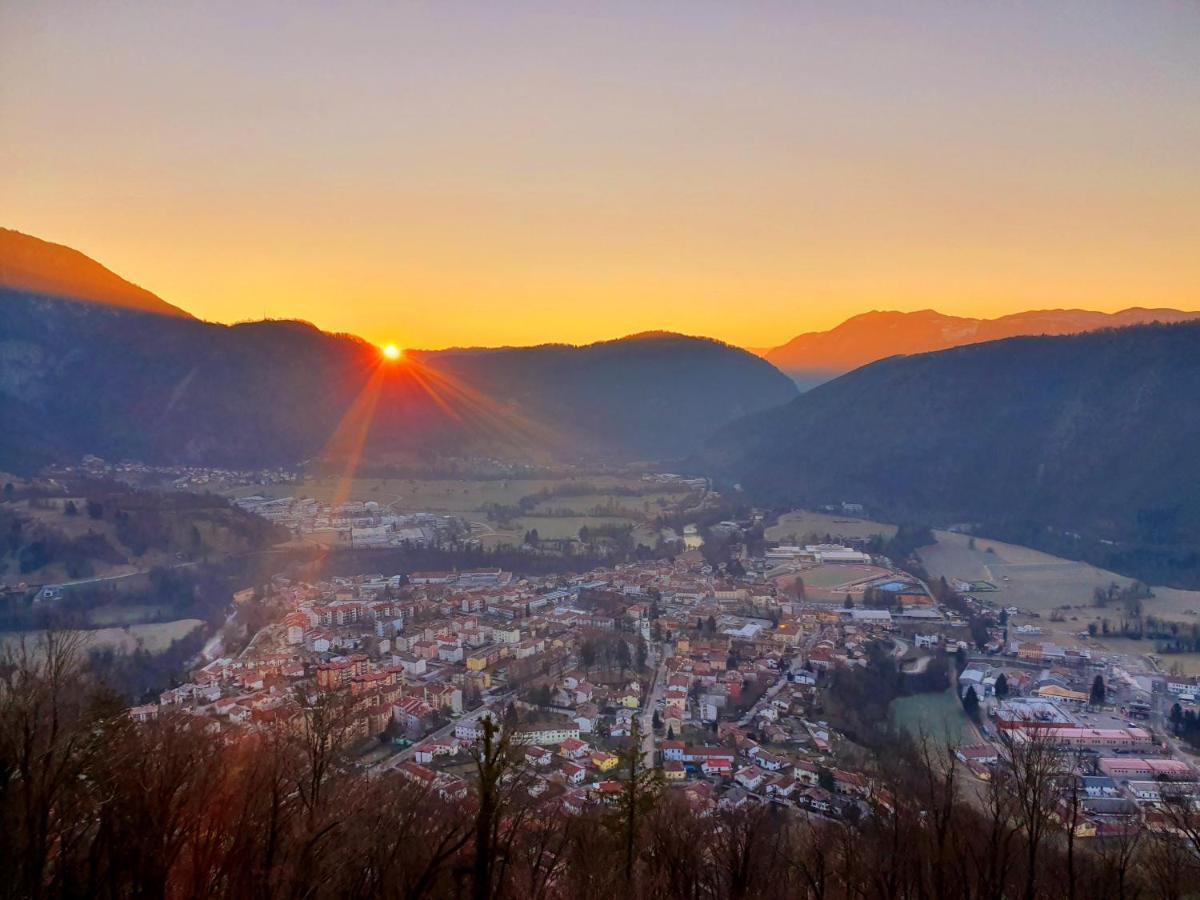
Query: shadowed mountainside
[[653, 392], [107, 378], [1083, 445], [81, 378]]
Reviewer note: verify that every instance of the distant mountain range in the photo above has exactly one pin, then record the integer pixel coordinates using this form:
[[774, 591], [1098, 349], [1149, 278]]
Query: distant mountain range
[[33, 266], [90, 363], [1084, 445], [818, 356]]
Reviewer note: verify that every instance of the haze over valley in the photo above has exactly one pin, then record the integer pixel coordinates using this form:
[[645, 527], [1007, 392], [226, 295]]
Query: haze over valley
[[674, 451]]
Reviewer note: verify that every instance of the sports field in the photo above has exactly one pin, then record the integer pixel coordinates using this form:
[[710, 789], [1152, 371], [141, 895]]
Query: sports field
[[831, 583]]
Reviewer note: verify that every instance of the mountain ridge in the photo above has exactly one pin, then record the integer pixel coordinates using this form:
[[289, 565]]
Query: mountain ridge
[[815, 357], [124, 382]]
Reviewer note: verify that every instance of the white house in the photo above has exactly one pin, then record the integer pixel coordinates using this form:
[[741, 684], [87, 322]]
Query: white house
[[574, 774], [574, 748], [750, 777], [450, 652]]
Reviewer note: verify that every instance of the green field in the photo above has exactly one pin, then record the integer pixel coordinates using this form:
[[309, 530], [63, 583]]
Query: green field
[[838, 575], [1038, 581], [649, 504], [464, 495], [471, 498], [558, 527], [939, 716]]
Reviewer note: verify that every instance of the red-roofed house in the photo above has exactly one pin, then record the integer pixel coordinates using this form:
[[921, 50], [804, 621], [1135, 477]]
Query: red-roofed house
[[574, 774], [574, 748]]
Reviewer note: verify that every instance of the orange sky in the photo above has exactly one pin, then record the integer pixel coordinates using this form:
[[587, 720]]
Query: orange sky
[[448, 173]]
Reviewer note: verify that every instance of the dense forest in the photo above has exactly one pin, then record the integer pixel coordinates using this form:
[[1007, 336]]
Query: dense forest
[[89, 519], [92, 804], [1080, 445], [174, 543]]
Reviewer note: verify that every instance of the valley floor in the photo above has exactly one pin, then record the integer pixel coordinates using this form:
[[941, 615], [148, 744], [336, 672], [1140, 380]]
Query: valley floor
[[1034, 582], [569, 504], [1039, 584]]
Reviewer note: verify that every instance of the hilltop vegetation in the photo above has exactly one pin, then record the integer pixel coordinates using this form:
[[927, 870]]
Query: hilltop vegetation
[[94, 529], [1083, 446], [92, 804]]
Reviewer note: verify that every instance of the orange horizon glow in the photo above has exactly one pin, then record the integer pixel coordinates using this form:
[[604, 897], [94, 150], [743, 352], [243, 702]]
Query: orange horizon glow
[[451, 174]]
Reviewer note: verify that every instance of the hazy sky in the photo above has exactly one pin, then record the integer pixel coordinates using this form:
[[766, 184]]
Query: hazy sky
[[479, 173]]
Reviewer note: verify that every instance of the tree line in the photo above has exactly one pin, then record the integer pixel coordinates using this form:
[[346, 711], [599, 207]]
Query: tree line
[[92, 804]]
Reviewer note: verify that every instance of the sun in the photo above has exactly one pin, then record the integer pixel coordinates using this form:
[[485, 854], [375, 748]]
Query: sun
[[391, 352]]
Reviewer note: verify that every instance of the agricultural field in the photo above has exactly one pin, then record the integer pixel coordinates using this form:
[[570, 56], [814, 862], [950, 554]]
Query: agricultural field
[[155, 638], [644, 506], [548, 528], [1033, 581], [438, 495], [603, 500], [802, 523], [559, 527], [1037, 582], [1175, 663], [117, 616], [463, 495], [1026, 578]]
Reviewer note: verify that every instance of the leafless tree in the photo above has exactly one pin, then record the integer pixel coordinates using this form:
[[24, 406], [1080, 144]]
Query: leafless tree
[[1172, 868], [992, 842], [1115, 857], [747, 852], [51, 732], [405, 844], [1069, 814], [1032, 772]]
